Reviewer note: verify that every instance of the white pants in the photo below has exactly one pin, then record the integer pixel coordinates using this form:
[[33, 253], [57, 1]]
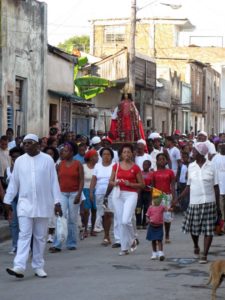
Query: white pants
[[37, 227], [124, 210], [100, 210]]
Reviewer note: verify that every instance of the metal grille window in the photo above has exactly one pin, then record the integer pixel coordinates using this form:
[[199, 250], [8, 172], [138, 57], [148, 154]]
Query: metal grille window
[[114, 34]]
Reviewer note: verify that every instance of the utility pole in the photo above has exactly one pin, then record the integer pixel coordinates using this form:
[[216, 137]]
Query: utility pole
[[131, 72]]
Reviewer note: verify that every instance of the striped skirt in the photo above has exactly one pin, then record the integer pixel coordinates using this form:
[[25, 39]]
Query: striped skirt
[[200, 219]]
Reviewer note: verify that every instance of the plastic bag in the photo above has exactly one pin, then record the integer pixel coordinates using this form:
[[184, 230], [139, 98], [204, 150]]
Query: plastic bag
[[61, 229], [115, 192]]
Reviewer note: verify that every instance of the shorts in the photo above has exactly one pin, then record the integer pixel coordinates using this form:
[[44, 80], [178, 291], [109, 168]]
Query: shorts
[[88, 204]]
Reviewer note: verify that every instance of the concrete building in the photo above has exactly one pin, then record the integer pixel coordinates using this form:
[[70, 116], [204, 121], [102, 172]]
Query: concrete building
[[23, 54], [159, 37], [70, 111]]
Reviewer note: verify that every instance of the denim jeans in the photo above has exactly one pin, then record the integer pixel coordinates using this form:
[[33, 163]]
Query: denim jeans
[[14, 225], [70, 212]]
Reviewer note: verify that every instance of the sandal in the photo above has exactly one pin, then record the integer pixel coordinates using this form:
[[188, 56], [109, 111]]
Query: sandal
[[85, 235], [203, 259], [106, 242], [54, 250], [93, 233]]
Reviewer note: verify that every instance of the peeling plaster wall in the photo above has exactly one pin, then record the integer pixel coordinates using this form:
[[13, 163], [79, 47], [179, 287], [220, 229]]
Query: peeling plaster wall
[[24, 54]]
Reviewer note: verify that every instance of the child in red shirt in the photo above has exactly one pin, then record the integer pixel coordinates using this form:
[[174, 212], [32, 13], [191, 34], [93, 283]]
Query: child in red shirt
[[155, 228], [164, 180], [144, 199]]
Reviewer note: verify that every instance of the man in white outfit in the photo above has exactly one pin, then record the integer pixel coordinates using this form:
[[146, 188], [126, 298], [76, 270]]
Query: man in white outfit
[[34, 179]]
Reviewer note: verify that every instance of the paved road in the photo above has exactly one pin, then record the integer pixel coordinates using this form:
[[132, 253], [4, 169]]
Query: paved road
[[94, 272]]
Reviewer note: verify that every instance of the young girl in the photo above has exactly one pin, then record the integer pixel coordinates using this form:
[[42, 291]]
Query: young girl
[[144, 199], [155, 228], [164, 180]]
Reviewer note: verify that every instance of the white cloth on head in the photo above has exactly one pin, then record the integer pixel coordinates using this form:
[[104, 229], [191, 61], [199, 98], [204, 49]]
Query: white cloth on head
[[35, 179], [203, 133], [202, 148], [32, 137]]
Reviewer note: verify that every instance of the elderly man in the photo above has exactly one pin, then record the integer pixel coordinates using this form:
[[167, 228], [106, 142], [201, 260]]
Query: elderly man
[[141, 156], [35, 180]]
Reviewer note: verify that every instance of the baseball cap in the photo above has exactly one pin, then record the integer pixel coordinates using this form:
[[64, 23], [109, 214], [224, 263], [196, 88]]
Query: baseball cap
[[154, 135], [95, 140]]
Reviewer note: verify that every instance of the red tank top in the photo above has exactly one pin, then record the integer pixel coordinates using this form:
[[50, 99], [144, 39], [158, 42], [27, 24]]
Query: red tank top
[[69, 176]]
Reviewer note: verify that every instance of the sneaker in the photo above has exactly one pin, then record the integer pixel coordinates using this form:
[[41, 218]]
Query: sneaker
[[133, 246], [154, 256], [50, 238], [40, 273], [116, 245], [203, 259], [161, 255], [124, 252], [98, 229], [13, 251], [17, 272]]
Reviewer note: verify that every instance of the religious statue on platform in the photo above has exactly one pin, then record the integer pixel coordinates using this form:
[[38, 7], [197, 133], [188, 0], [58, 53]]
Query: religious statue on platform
[[126, 125]]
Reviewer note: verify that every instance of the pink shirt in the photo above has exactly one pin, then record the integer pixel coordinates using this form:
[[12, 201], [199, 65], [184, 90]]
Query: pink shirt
[[155, 214]]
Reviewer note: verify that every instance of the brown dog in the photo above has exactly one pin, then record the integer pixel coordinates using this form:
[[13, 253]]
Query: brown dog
[[216, 274]]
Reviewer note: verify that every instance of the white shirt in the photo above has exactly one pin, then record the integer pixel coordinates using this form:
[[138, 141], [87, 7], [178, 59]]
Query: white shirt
[[183, 174], [102, 174], [219, 163], [11, 145], [174, 154], [153, 155], [202, 181], [87, 176], [5, 161], [140, 159], [35, 180]]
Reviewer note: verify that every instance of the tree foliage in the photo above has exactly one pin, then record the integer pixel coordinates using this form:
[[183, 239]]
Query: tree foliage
[[81, 43]]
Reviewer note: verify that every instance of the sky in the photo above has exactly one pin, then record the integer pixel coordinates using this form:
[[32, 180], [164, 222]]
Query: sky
[[68, 18]]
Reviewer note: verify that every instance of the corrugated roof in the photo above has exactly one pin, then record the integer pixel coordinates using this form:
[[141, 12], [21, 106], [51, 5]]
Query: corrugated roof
[[71, 97]]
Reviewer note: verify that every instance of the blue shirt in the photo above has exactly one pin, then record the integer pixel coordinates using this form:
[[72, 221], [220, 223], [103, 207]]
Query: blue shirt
[[79, 157]]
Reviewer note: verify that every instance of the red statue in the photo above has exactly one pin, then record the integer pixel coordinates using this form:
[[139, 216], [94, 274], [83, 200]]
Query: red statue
[[126, 124]]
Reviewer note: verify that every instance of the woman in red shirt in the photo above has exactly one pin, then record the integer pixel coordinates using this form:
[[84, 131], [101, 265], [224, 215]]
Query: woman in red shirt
[[164, 180], [127, 175], [71, 181]]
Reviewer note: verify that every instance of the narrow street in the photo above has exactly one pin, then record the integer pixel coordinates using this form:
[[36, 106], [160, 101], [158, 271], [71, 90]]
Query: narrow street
[[95, 272]]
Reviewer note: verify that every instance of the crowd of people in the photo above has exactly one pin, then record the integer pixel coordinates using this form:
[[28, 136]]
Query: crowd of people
[[99, 186]]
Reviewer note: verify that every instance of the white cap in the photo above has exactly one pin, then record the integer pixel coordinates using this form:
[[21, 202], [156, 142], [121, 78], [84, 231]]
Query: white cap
[[141, 141], [203, 133], [154, 135], [32, 137], [95, 140]]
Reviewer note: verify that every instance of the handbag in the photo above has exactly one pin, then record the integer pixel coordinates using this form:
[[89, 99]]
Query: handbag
[[116, 189], [61, 229]]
